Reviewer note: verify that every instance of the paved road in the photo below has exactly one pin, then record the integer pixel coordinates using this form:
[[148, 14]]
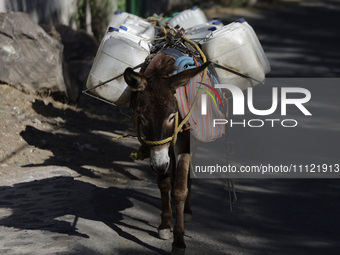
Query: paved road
[[66, 209]]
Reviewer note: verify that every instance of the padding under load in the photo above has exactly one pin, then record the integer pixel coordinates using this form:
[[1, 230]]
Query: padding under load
[[201, 126]]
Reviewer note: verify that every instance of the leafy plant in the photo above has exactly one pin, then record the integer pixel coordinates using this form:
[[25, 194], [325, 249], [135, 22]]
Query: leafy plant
[[122, 5], [100, 11]]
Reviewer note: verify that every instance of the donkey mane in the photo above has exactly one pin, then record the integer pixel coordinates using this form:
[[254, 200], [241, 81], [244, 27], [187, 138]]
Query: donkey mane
[[161, 66]]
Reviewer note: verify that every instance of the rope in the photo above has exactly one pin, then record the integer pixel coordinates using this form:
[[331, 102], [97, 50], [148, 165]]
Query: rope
[[172, 138], [119, 137]]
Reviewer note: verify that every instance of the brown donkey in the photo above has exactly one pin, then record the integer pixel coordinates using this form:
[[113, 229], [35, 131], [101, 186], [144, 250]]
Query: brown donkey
[[156, 111]]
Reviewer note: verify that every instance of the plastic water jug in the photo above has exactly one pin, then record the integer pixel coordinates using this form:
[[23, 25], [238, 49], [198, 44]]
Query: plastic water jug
[[189, 18], [199, 32], [215, 22], [132, 24], [236, 46], [118, 51]]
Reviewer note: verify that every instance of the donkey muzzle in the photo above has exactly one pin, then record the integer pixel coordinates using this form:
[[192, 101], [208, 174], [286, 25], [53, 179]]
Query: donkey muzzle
[[159, 159]]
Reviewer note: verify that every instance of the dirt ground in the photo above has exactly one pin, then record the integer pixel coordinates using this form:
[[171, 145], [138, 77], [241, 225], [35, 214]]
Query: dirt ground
[[38, 131], [17, 112]]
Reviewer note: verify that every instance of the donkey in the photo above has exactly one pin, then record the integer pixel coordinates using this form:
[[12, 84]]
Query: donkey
[[155, 109]]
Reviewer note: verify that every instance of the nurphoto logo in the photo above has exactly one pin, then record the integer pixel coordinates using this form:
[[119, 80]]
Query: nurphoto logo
[[239, 105]]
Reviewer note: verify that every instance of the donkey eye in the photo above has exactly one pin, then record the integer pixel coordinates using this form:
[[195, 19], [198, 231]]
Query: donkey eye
[[172, 117]]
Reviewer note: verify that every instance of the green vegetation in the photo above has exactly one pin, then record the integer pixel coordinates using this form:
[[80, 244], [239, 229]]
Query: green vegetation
[[235, 3], [121, 5], [100, 11]]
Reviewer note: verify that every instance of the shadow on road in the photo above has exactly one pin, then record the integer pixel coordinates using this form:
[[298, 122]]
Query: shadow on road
[[42, 205], [79, 139]]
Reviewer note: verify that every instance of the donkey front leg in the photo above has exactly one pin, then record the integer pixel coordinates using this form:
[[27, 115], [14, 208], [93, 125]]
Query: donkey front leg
[[187, 206], [164, 229], [180, 193]]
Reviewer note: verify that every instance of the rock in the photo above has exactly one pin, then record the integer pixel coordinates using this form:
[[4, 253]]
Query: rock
[[30, 59], [37, 121]]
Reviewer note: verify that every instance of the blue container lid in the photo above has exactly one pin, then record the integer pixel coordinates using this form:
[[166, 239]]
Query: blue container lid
[[217, 22], [118, 12], [241, 20], [212, 28], [113, 29], [123, 27]]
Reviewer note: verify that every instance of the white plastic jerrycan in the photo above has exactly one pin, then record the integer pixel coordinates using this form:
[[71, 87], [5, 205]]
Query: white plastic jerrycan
[[189, 18], [236, 46], [118, 51]]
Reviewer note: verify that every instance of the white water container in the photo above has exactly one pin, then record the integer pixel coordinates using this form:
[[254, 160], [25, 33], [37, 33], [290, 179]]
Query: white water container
[[110, 31], [236, 46], [200, 32], [257, 45], [141, 28], [189, 18], [215, 22], [120, 18], [119, 51], [132, 24]]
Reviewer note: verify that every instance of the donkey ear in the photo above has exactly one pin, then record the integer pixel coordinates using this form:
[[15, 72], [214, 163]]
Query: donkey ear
[[136, 81], [181, 79]]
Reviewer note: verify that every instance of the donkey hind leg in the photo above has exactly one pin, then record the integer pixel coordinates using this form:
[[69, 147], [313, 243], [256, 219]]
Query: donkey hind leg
[[180, 193], [164, 229]]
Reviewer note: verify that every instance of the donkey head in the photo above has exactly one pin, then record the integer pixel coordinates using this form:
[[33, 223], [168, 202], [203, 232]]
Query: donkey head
[[156, 106]]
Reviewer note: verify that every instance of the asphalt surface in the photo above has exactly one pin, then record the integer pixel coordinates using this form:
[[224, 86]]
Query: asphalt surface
[[61, 209]]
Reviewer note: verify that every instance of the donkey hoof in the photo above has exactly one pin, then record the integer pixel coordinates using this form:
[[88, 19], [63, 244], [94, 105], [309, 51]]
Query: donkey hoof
[[177, 251], [187, 217], [164, 233]]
